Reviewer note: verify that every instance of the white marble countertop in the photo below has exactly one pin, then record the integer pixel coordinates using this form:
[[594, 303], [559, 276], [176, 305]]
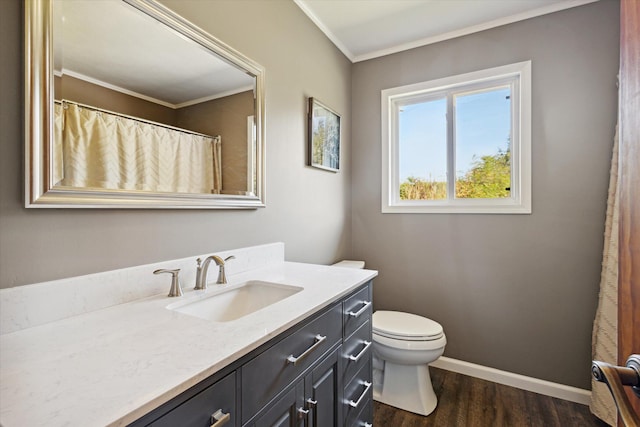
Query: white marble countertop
[[110, 366]]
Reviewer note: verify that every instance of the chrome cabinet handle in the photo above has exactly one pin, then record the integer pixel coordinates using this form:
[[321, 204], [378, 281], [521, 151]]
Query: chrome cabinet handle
[[219, 418], [353, 358], [303, 413], [367, 386], [319, 340], [362, 310]]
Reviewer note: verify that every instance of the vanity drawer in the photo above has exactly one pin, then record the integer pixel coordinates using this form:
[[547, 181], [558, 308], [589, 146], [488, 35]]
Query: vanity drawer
[[218, 400], [277, 367], [357, 394], [365, 417], [357, 309], [356, 351]]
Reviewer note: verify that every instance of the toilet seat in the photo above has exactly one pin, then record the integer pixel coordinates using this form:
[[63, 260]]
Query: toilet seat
[[405, 326]]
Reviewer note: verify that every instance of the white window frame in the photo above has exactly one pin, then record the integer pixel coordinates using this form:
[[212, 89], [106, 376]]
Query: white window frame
[[519, 201]]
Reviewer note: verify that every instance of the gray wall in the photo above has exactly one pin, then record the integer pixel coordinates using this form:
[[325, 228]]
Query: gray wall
[[308, 209], [514, 292]]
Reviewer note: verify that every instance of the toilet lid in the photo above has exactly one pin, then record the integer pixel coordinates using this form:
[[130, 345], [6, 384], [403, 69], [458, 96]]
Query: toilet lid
[[396, 324]]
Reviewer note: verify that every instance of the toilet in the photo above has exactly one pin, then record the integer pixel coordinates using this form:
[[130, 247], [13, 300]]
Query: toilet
[[404, 345]]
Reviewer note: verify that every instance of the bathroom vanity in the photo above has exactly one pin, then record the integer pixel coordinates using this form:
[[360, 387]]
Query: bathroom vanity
[[318, 373], [71, 358]]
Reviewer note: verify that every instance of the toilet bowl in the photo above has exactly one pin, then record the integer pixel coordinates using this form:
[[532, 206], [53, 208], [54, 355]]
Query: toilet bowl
[[403, 346]]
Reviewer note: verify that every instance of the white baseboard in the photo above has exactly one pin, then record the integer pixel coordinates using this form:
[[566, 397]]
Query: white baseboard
[[535, 385]]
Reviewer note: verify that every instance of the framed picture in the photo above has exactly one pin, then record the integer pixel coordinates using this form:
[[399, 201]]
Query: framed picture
[[324, 136]]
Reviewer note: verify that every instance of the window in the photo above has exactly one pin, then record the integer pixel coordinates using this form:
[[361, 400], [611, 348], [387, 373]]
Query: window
[[461, 144]]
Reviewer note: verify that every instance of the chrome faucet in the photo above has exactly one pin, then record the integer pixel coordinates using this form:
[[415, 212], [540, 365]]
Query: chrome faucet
[[203, 269], [176, 289], [222, 276]]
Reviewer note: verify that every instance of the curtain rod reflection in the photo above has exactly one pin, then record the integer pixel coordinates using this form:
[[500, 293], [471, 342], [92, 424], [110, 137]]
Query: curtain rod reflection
[[138, 119]]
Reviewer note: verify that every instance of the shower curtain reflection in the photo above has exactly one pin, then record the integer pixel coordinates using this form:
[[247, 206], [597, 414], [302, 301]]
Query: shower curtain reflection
[[95, 149]]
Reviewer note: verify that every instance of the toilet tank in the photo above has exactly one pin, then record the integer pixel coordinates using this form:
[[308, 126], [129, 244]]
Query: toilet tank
[[349, 264]]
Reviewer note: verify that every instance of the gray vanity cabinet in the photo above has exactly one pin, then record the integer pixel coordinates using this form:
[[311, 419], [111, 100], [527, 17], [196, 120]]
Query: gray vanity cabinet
[[215, 404], [316, 374], [313, 401]]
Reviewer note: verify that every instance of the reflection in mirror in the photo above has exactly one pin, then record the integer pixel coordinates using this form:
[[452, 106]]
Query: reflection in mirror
[[141, 109]]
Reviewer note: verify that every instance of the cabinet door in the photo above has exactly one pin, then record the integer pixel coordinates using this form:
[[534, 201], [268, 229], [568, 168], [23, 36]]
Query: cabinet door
[[286, 411], [323, 392]]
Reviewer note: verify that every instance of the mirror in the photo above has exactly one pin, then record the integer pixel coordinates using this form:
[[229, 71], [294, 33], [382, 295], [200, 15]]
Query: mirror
[[128, 105]]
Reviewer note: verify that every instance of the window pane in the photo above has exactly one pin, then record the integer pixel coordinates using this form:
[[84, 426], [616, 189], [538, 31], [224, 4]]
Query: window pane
[[483, 144], [422, 150]]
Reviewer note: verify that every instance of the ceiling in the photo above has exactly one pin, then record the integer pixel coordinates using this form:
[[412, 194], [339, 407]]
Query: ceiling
[[112, 44], [93, 40], [365, 29]]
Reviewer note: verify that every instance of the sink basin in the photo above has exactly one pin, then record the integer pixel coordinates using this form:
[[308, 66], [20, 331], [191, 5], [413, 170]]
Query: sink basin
[[236, 301]]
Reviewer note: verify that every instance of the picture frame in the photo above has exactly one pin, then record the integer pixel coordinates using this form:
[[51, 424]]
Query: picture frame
[[323, 137]]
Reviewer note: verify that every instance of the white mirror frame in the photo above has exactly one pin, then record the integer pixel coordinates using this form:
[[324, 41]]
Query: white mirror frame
[[39, 189]]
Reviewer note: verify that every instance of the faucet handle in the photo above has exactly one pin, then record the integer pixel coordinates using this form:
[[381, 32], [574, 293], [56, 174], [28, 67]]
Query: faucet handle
[[199, 284], [222, 275], [176, 289]]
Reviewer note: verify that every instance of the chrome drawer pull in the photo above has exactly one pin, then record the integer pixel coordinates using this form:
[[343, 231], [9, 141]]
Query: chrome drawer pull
[[312, 402], [362, 310], [319, 340], [219, 418], [367, 344], [367, 386]]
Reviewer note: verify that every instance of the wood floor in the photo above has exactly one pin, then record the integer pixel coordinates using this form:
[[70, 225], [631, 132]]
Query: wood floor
[[465, 401]]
